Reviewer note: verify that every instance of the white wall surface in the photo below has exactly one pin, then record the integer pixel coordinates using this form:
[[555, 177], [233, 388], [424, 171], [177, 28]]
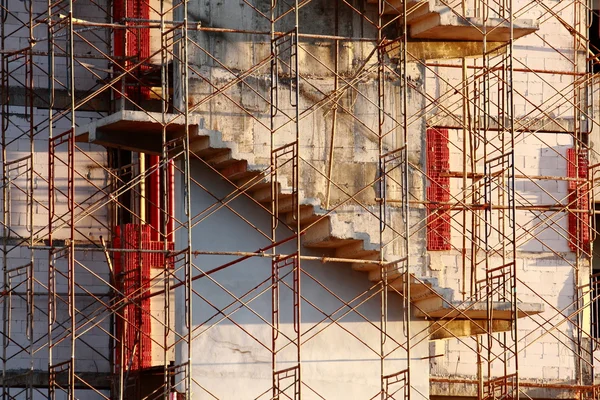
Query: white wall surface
[[230, 363]]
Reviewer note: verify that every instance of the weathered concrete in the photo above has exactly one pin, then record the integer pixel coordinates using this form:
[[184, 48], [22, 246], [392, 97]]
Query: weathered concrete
[[39, 379], [355, 155], [461, 328], [446, 25], [442, 49], [232, 363], [457, 388], [439, 308]]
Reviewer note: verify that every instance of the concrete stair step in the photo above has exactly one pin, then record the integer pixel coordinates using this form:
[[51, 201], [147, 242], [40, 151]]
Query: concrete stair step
[[219, 157], [459, 328], [355, 250], [262, 191], [418, 290], [231, 169], [251, 179], [367, 267], [200, 143], [285, 203], [419, 13], [213, 155], [392, 274], [329, 243], [307, 216], [201, 146], [447, 24]]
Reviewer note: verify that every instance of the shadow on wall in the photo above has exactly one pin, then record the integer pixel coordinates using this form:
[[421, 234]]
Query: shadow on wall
[[232, 311], [542, 231], [327, 284]]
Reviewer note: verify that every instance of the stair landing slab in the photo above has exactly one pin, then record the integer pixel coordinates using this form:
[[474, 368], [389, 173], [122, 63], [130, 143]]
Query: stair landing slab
[[135, 130], [439, 309], [438, 26]]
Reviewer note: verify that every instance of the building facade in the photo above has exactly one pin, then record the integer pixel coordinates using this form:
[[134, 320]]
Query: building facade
[[309, 199]]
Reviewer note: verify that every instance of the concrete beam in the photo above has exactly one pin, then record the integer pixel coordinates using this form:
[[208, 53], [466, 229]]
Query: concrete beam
[[554, 125], [443, 50], [445, 25], [136, 130], [20, 96], [459, 328], [447, 388], [439, 308], [129, 140], [20, 378]]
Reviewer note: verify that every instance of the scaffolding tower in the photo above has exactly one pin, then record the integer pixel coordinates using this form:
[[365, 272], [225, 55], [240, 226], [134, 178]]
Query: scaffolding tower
[[102, 127]]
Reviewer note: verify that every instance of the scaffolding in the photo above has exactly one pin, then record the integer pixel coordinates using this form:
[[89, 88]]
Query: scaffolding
[[98, 224]]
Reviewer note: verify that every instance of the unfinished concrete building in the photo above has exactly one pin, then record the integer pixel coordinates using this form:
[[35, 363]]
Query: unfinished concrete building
[[299, 199]]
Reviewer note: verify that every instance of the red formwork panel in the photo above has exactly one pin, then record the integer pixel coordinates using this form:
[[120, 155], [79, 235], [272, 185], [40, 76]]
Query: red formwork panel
[[573, 165], [438, 191], [438, 229], [132, 45], [579, 202], [579, 220], [133, 275]]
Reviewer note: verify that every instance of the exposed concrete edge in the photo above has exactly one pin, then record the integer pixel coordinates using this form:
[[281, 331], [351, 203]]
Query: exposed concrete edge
[[461, 328], [346, 230], [138, 116], [20, 96], [39, 378], [436, 308], [452, 387], [445, 50], [549, 125]]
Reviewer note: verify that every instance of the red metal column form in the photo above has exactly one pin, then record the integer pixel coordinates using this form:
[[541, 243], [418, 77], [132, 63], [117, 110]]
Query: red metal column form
[[171, 202], [438, 192], [578, 220], [134, 325], [154, 199], [132, 45]]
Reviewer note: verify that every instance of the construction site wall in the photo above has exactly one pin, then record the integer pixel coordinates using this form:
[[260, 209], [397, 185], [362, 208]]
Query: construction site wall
[[231, 350]]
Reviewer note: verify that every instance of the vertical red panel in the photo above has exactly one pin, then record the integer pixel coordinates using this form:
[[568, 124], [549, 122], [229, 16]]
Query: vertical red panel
[[579, 202], [133, 269], [132, 45], [134, 272], [154, 199], [170, 202], [438, 191], [144, 309], [573, 166], [144, 42]]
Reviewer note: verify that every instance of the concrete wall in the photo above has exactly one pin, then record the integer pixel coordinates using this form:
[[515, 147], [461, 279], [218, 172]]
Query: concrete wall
[[241, 114], [546, 352], [539, 154], [349, 368], [91, 270], [544, 104], [91, 180], [231, 357], [544, 261], [94, 42], [92, 345]]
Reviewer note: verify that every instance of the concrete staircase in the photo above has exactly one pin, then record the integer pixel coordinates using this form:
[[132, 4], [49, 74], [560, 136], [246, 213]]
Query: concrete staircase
[[443, 20], [323, 231]]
